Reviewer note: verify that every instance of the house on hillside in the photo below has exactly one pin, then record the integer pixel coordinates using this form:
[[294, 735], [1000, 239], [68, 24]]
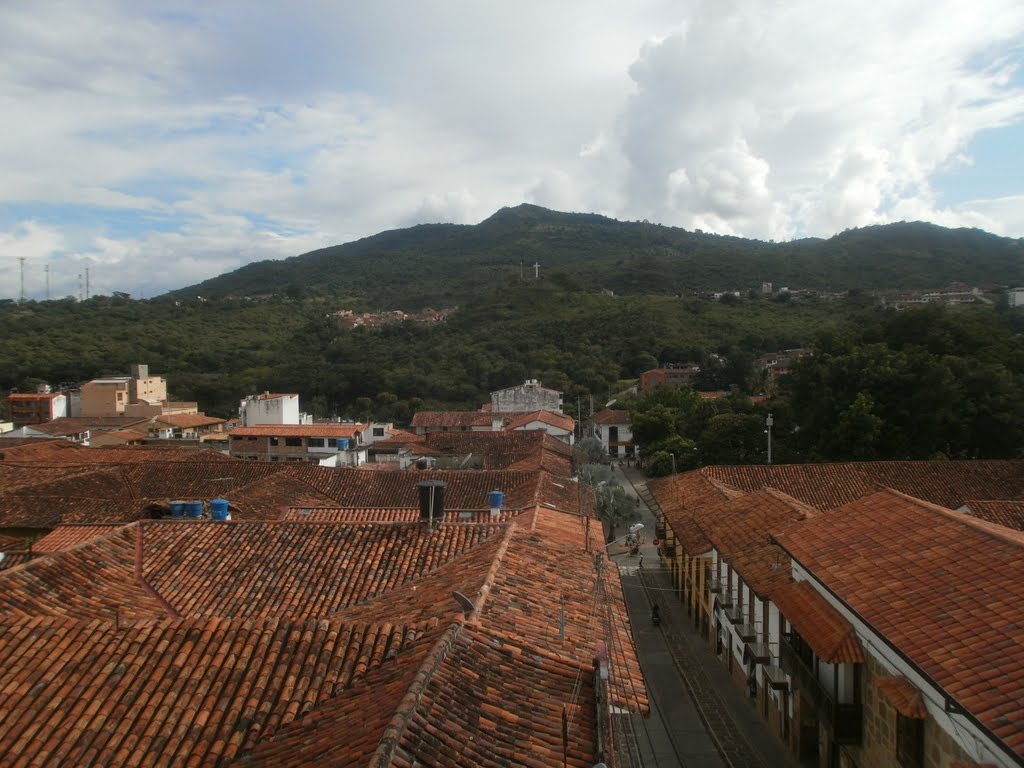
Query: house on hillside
[[669, 376]]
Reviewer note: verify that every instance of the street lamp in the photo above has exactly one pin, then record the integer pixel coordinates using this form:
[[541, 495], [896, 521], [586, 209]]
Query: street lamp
[[768, 422], [673, 462]]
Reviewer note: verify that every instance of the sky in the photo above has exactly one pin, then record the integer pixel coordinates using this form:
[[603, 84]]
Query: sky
[[152, 145]]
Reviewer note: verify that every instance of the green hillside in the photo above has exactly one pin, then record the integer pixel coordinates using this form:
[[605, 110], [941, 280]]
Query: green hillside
[[447, 264]]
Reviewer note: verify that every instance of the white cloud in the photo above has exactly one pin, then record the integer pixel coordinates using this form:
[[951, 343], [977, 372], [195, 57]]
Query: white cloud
[[165, 147]]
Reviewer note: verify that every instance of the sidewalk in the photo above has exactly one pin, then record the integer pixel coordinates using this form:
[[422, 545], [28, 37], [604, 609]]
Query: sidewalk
[[698, 717]]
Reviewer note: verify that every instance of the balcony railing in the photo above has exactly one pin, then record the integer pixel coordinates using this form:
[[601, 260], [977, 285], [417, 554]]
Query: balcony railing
[[845, 720]]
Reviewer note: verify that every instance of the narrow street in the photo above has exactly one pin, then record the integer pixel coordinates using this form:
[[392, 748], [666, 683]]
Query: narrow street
[[698, 718]]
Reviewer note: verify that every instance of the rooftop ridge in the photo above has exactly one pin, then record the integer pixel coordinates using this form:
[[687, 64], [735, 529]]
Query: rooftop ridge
[[994, 530], [140, 576], [393, 732], [795, 503], [492, 573]]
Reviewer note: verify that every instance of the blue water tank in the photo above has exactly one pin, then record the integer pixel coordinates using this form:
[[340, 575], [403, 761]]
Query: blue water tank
[[496, 499], [219, 509], [177, 509], [194, 509], [342, 443]]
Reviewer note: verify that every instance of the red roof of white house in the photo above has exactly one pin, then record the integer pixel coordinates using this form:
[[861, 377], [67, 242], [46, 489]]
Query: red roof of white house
[[298, 430], [609, 416]]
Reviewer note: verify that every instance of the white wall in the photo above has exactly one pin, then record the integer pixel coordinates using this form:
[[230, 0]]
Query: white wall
[[282, 409]]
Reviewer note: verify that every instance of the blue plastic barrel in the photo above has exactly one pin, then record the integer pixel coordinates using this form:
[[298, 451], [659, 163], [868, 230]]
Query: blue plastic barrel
[[177, 509], [219, 509], [194, 509], [496, 499]]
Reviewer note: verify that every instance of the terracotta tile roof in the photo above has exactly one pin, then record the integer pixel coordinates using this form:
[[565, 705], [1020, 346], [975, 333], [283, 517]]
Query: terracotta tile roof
[[827, 486], [740, 531], [521, 600], [12, 559], [436, 419], [31, 397], [399, 437], [116, 438], [72, 425], [1008, 513], [241, 569], [176, 692], [687, 498], [945, 589], [326, 736], [387, 678], [559, 420], [11, 543], [612, 416], [68, 535], [831, 637], [903, 696], [500, 450], [14, 446], [188, 420], [298, 430], [62, 452], [381, 515]]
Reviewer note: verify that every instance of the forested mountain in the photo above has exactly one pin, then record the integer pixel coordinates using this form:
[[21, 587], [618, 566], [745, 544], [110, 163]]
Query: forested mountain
[[612, 299], [447, 264]]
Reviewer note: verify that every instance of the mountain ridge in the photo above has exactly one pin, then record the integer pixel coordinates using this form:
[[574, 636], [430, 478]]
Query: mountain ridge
[[429, 264]]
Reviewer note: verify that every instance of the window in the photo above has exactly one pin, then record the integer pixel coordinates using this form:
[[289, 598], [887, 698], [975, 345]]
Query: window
[[274, 441], [909, 741], [378, 431], [315, 442], [293, 442], [332, 442]]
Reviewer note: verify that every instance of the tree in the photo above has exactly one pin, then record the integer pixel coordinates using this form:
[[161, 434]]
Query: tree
[[733, 438], [589, 450]]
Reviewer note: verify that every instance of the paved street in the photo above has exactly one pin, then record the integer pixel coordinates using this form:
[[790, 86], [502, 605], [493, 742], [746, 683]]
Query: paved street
[[698, 718]]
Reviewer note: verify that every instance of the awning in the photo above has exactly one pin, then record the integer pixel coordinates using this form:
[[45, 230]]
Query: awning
[[903, 696], [829, 635]]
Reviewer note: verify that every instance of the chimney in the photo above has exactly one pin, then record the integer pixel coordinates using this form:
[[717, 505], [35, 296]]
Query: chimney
[[431, 499]]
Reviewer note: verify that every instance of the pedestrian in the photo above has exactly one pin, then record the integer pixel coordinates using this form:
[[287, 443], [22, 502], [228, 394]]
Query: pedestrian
[[641, 560]]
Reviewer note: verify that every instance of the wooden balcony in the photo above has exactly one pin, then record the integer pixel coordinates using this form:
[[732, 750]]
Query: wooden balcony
[[844, 719]]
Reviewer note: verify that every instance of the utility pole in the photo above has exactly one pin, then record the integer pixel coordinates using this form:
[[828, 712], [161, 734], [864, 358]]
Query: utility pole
[[768, 423], [86, 283], [47, 270], [536, 270], [22, 260]]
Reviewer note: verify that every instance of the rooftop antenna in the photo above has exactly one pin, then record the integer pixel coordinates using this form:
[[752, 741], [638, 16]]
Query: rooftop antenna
[[22, 260], [80, 290], [87, 283]]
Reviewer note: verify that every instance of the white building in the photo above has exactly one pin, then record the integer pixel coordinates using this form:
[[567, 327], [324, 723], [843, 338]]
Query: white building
[[527, 397], [271, 408]]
